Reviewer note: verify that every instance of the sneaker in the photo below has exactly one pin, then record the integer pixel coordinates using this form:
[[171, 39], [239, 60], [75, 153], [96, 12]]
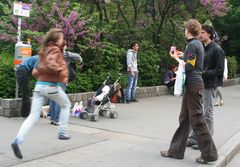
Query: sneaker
[[195, 147], [16, 150], [63, 137], [128, 101], [189, 144], [55, 123], [134, 100]]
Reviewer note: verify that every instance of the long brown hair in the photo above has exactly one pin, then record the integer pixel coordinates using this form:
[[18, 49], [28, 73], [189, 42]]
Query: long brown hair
[[53, 36]]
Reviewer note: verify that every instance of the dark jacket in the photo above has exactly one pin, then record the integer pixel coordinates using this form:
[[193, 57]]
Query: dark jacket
[[213, 66]]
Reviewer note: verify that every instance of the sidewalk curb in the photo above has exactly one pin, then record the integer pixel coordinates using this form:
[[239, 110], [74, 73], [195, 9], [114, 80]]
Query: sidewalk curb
[[227, 151]]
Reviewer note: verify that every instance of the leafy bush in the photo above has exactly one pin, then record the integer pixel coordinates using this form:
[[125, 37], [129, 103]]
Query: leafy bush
[[232, 66], [148, 65], [7, 78], [98, 64]]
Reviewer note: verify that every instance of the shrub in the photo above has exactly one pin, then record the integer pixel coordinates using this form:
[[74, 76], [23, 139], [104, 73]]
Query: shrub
[[148, 65], [232, 66], [7, 78], [98, 64]]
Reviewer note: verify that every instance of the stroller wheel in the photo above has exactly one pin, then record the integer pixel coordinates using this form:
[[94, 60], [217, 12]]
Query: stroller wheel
[[103, 113], [94, 118], [114, 114], [89, 110], [84, 115]]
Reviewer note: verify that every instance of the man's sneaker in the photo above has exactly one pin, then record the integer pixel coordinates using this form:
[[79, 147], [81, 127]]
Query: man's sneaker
[[134, 100], [128, 101], [55, 123], [16, 150], [195, 147], [63, 137], [189, 144]]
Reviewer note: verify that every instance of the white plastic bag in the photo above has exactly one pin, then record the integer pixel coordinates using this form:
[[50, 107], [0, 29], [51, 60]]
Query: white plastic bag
[[180, 80], [78, 109], [74, 109]]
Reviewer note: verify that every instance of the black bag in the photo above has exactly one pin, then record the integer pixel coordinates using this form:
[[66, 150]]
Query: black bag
[[71, 71], [71, 68]]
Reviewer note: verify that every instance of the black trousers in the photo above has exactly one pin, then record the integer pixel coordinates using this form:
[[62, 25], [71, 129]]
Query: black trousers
[[192, 115], [22, 76]]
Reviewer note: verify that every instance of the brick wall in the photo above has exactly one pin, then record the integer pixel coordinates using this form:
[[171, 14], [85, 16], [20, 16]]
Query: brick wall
[[11, 107]]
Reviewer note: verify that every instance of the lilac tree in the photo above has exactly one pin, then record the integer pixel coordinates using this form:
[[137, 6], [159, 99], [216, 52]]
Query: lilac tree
[[45, 15], [215, 7]]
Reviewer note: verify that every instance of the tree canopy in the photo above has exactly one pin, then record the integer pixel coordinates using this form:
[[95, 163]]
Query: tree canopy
[[101, 31]]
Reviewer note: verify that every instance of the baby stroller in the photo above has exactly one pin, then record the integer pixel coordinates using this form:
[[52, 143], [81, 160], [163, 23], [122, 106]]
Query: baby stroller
[[100, 104]]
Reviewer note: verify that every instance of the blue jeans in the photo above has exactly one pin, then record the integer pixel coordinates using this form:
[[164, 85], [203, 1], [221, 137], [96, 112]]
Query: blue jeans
[[55, 108], [54, 111], [132, 85], [41, 92]]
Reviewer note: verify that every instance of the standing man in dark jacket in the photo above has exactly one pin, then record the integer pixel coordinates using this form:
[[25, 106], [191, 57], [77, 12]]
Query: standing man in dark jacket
[[23, 73], [213, 68]]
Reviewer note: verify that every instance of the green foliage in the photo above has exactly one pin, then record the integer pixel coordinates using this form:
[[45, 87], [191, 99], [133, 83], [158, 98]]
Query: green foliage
[[83, 83], [110, 28], [148, 65], [232, 66], [7, 78], [229, 26], [98, 64]]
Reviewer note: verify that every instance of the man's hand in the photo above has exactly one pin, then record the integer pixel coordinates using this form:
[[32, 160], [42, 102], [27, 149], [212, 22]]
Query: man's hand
[[132, 74], [131, 71]]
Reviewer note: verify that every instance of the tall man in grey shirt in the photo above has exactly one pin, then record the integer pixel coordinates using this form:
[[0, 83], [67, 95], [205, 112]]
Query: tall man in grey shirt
[[132, 71]]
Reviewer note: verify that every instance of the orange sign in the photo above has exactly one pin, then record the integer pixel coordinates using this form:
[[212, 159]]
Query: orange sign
[[26, 51], [16, 62]]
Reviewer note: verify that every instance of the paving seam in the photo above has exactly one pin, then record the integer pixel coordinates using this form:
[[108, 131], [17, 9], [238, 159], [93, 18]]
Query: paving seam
[[112, 131]]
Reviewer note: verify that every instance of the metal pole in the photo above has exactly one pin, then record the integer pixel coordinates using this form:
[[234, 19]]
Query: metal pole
[[19, 39], [16, 92], [19, 28]]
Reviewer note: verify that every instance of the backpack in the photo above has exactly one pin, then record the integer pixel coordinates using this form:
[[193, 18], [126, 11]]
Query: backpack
[[71, 68]]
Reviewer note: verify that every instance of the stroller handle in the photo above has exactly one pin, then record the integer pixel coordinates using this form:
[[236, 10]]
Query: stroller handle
[[120, 75], [104, 82]]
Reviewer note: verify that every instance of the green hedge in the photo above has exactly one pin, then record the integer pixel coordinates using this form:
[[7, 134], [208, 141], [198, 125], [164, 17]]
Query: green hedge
[[99, 63], [7, 78], [232, 66]]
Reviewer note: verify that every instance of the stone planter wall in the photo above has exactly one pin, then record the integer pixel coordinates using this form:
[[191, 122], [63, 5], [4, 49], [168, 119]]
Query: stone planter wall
[[11, 107]]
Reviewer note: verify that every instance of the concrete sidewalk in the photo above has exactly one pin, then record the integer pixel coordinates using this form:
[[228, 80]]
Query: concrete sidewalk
[[132, 140]]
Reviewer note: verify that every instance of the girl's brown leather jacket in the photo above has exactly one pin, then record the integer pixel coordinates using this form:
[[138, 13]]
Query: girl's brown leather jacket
[[52, 66]]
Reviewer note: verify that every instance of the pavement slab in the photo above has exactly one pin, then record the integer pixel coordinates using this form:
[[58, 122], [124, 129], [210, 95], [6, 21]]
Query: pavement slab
[[132, 140]]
